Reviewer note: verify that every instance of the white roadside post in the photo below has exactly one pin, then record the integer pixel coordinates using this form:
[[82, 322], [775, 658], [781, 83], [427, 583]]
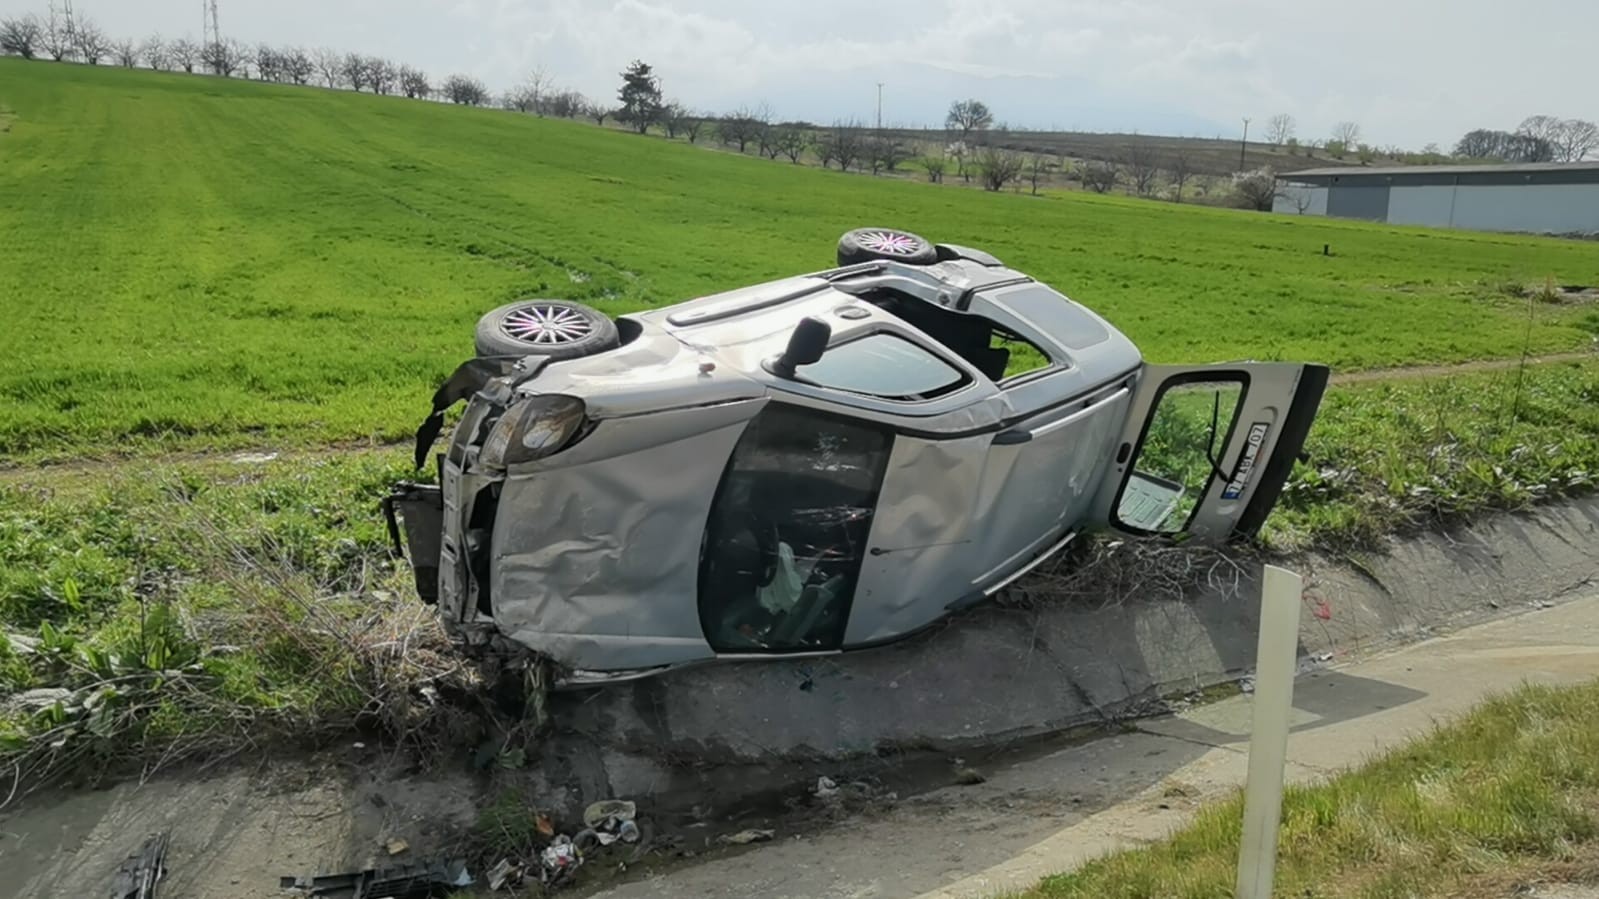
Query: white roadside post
[[1276, 661]]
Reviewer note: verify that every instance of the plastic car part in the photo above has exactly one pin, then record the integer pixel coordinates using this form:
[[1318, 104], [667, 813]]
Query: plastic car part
[[557, 329], [949, 251], [867, 244]]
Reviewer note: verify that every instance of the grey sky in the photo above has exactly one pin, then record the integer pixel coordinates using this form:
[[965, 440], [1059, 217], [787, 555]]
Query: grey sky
[[1408, 71]]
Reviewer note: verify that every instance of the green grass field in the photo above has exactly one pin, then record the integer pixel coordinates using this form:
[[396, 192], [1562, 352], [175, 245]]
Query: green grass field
[[1486, 806], [193, 262]]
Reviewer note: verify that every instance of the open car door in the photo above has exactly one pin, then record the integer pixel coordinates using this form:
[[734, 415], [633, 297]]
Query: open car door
[[1206, 449]]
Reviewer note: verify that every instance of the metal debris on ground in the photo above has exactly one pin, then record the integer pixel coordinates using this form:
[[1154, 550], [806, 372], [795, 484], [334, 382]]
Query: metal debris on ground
[[745, 837], [423, 880], [140, 872], [395, 847]]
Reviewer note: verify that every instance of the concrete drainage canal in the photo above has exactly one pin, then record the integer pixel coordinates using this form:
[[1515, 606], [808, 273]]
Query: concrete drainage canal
[[720, 758]]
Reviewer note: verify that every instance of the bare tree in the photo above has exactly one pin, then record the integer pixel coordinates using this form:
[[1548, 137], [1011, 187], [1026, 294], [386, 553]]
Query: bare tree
[[353, 69], [934, 167], [966, 116], [741, 128], [329, 64], [155, 53], [222, 57], [599, 112], [413, 82], [464, 90], [692, 125], [1279, 128], [1542, 127], [1180, 166], [1575, 139], [568, 104], [56, 38], [297, 65], [672, 113], [998, 167], [536, 85], [380, 74], [21, 35], [841, 143], [91, 43], [1098, 175], [1346, 133], [960, 152], [184, 53], [791, 140], [1138, 162], [884, 153], [267, 64], [125, 52], [1256, 190], [1038, 167]]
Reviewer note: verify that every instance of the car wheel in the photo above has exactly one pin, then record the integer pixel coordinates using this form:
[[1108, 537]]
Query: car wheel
[[554, 328], [867, 244]]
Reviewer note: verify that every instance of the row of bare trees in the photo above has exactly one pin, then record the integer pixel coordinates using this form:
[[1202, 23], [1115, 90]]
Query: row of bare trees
[[1539, 138], [56, 38]]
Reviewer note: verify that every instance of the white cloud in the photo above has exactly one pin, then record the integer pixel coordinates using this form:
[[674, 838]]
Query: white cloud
[[1409, 71]]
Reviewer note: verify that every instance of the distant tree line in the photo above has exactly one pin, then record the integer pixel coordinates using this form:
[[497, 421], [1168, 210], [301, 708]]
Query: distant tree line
[[1539, 138]]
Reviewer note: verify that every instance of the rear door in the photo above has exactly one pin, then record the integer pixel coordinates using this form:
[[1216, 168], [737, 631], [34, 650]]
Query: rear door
[[1206, 449]]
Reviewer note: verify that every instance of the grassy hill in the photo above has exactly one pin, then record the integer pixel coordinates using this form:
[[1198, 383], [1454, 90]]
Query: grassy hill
[[198, 261]]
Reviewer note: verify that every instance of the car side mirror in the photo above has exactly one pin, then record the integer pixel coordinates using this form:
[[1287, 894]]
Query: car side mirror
[[805, 345]]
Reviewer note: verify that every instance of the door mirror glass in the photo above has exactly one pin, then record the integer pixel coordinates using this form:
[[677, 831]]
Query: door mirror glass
[[1180, 451]]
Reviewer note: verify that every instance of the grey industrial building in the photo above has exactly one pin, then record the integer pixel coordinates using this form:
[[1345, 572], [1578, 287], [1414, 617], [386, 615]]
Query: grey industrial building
[[1541, 198]]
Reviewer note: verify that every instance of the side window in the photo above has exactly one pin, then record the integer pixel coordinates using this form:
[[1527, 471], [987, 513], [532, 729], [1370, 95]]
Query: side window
[[1020, 355], [787, 531], [1178, 454], [884, 365]]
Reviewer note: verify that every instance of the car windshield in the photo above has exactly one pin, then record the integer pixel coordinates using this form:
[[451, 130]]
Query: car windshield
[[884, 365]]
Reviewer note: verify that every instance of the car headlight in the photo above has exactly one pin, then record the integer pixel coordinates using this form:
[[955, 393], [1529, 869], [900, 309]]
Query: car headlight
[[538, 426]]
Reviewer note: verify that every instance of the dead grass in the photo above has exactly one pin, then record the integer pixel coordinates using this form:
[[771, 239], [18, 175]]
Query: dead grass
[[1502, 798]]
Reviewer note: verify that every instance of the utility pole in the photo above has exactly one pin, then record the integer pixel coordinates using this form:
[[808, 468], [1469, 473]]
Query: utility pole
[[879, 107], [1243, 145], [210, 31]]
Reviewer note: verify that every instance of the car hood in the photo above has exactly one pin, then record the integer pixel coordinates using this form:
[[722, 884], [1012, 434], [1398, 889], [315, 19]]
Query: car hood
[[654, 371]]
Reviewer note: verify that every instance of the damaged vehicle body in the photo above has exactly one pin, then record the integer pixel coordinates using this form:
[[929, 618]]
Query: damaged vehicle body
[[817, 464]]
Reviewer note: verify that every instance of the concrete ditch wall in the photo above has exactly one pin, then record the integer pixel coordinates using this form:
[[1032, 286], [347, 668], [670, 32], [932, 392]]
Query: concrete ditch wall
[[722, 734]]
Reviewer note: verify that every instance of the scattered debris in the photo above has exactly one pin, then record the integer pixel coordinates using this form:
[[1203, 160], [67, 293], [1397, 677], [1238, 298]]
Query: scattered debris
[[504, 875], [1247, 685], [967, 776], [253, 458], [396, 846], [559, 861], [745, 837], [423, 880], [139, 873], [628, 831], [545, 826], [1325, 657], [597, 814], [1543, 604], [826, 788]]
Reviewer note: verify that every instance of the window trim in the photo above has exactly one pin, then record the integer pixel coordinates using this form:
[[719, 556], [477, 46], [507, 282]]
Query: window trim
[[1228, 376], [966, 373], [890, 436]]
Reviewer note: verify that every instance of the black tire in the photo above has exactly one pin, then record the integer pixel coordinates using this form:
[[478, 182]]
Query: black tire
[[557, 329], [867, 244]]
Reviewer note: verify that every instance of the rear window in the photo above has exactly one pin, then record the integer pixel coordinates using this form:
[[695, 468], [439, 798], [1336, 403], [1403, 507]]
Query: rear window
[[884, 365]]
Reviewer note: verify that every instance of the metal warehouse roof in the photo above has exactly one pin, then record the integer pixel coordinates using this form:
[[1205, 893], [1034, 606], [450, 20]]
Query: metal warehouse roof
[[1545, 168]]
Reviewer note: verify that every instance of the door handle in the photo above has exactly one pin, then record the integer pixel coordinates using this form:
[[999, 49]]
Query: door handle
[[1013, 437]]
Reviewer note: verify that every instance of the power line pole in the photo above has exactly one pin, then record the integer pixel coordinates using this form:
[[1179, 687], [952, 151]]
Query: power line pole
[[1243, 145], [210, 31], [879, 107]]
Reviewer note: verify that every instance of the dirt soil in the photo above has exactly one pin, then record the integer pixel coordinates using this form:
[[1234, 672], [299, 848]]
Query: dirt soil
[[235, 834]]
